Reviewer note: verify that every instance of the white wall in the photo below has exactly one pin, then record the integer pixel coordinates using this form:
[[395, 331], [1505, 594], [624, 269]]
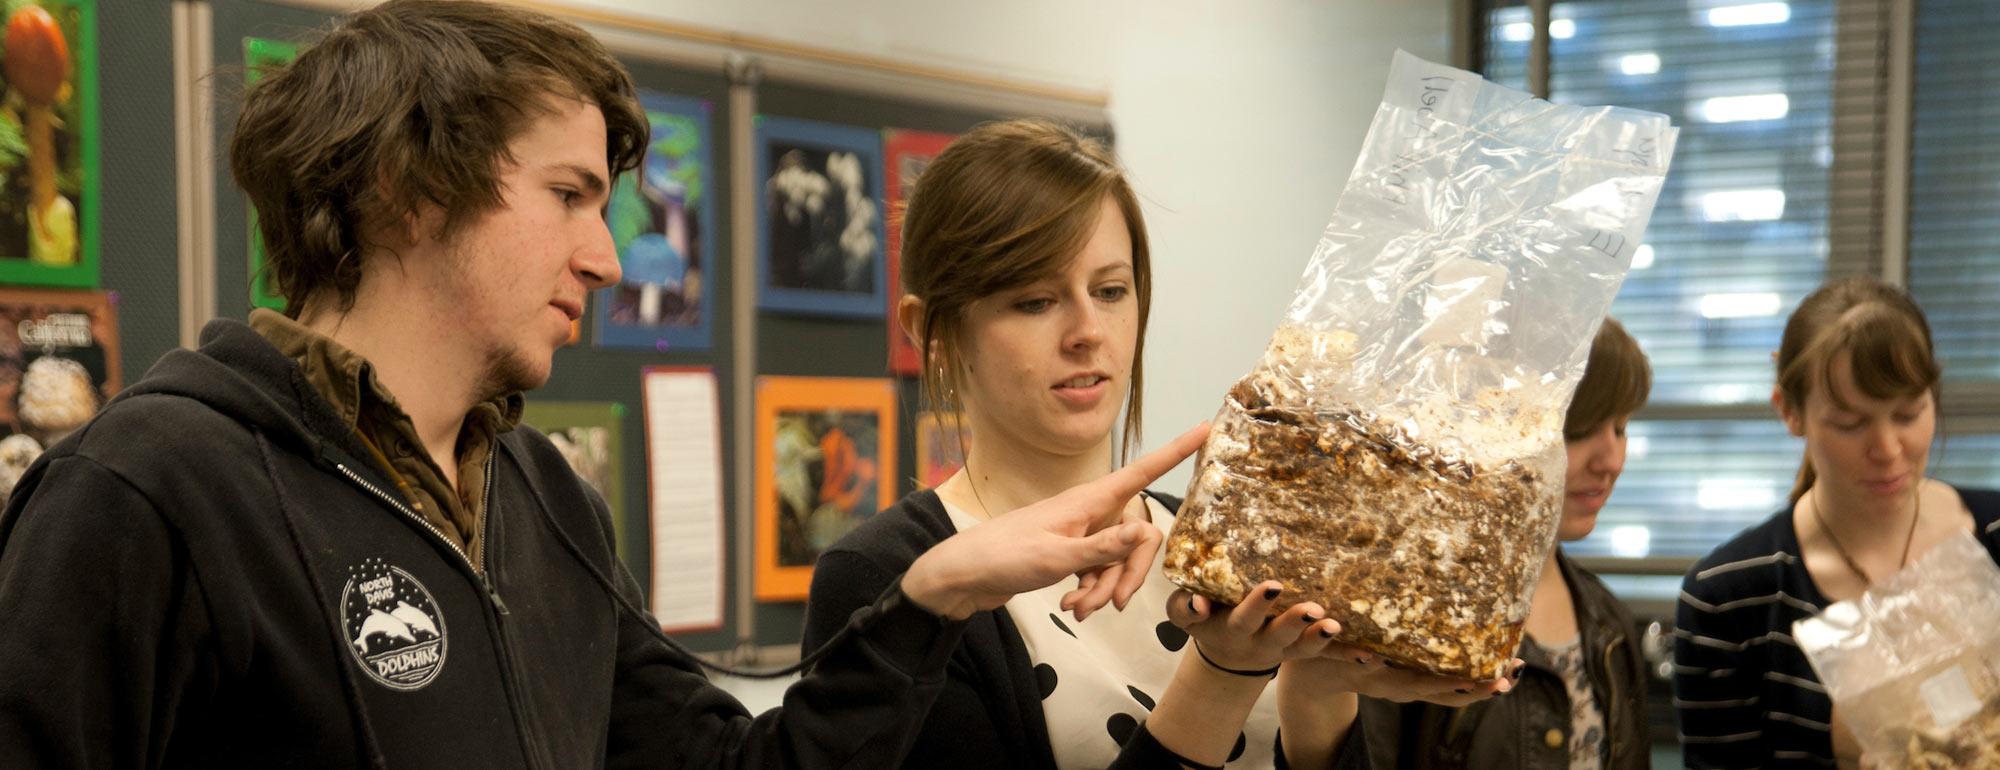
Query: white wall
[[1238, 122], [1057, 42], [1239, 127]]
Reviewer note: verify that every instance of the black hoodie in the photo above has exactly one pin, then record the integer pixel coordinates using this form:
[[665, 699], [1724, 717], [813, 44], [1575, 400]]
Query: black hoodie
[[206, 576]]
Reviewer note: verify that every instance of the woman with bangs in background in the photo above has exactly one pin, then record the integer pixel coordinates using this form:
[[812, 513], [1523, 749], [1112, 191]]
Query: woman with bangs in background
[[1858, 380]]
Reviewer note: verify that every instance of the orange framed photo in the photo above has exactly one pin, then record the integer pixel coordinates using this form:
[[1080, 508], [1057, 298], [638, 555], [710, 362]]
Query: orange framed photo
[[826, 449], [940, 447]]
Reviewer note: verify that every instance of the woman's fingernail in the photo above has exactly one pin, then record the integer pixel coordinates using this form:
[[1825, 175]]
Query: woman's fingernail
[[1311, 619], [1464, 691], [1325, 634], [1272, 593], [1361, 660], [1191, 605]]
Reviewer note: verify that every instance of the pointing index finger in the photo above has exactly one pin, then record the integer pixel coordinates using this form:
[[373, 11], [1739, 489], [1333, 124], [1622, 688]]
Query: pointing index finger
[[1133, 478]]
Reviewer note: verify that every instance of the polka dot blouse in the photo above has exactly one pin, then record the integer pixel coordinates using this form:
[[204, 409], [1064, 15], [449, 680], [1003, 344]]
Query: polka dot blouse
[[1099, 678]]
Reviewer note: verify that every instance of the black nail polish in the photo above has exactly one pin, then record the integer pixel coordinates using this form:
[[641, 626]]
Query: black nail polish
[[1191, 604], [1271, 593], [1361, 660], [1311, 619], [1325, 634], [1464, 691]]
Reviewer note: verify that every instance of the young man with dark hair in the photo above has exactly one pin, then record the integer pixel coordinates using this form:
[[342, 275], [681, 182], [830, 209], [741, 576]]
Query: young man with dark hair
[[323, 540]]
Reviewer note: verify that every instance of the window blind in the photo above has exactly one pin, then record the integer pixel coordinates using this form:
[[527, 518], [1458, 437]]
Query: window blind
[[1955, 184]]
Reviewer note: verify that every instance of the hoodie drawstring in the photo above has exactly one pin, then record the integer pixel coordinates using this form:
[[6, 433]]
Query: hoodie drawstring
[[576, 552], [364, 730]]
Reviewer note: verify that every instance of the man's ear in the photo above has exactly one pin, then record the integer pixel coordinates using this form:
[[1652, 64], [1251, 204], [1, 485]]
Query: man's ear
[[410, 227], [420, 226]]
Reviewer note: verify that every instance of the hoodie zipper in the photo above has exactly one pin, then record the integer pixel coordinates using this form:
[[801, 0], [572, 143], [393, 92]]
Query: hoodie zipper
[[529, 750], [404, 509], [525, 719]]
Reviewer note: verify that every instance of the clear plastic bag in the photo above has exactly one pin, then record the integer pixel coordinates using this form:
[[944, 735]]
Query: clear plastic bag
[[1397, 453], [1913, 665]]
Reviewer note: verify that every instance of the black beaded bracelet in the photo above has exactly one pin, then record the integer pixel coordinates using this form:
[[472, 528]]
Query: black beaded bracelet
[[1266, 673]]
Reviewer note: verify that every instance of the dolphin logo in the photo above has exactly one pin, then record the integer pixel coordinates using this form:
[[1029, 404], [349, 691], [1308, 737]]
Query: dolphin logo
[[398, 629], [380, 622], [414, 618]]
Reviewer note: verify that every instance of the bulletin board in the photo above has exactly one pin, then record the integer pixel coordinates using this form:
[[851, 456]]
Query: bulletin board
[[137, 265]]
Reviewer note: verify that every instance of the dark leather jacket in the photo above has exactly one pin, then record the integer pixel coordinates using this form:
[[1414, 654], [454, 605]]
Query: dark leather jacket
[[1515, 730]]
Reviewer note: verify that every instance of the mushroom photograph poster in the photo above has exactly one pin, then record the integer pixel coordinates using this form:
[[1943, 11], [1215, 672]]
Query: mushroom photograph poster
[[826, 449], [586, 434], [58, 364], [819, 222], [48, 143], [662, 220]]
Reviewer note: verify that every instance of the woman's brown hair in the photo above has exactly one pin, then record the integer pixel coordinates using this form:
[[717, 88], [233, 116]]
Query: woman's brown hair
[[408, 104], [1615, 383], [1880, 329], [1006, 205]]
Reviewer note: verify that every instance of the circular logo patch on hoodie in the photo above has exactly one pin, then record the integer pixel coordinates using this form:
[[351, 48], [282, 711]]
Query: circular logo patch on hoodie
[[393, 626]]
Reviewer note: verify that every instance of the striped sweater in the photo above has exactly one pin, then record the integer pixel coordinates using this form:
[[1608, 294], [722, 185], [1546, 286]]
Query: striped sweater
[[1745, 694]]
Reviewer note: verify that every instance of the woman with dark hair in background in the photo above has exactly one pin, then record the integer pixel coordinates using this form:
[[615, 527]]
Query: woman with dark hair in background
[[1858, 380], [1581, 700]]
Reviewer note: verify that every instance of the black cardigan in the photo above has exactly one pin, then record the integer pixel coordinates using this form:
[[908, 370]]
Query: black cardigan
[[989, 714]]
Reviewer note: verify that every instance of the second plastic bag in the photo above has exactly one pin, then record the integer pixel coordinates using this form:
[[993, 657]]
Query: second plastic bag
[[1397, 453], [1913, 665]]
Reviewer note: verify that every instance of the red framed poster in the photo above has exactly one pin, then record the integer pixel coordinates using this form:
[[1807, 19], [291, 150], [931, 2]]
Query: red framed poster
[[905, 153]]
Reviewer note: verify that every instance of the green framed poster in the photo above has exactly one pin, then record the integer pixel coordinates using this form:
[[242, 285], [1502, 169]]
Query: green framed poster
[[587, 434], [49, 178], [260, 54]]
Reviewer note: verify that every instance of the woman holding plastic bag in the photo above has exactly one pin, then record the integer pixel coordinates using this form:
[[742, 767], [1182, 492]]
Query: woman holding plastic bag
[[1581, 700], [1858, 380], [1026, 268]]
